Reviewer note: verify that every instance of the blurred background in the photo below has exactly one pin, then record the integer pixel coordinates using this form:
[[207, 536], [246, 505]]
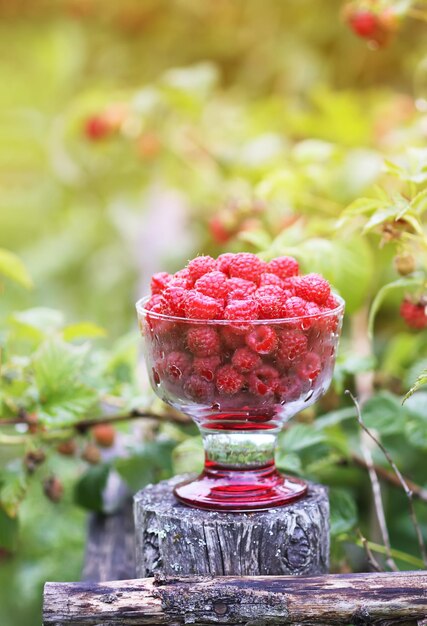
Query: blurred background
[[135, 135]]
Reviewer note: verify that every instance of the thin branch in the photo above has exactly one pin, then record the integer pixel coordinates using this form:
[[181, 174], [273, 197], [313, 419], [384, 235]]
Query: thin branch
[[401, 479], [379, 506], [375, 566], [391, 478]]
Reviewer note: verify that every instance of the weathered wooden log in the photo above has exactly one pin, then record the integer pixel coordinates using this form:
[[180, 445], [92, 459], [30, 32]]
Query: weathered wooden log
[[175, 539], [337, 600]]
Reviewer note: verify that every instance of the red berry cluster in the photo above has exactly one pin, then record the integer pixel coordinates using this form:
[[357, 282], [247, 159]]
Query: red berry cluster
[[243, 329], [414, 313], [377, 26]]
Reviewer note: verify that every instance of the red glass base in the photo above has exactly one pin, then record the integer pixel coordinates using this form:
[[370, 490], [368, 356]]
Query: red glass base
[[219, 489]]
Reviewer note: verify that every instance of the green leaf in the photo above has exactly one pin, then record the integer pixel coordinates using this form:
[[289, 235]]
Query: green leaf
[[188, 456], [9, 527], [12, 267], [13, 487], [89, 489], [299, 437], [384, 413], [333, 417], [400, 283], [83, 330], [288, 462], [39, 321], [421, 380], [59, 373], [150, 463], [343, 511]]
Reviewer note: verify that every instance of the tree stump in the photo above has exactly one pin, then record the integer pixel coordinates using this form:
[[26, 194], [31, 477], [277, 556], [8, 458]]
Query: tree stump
[[173, 539]]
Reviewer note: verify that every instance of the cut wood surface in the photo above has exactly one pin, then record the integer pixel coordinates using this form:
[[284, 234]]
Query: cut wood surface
[[358, 599], [174, 539]]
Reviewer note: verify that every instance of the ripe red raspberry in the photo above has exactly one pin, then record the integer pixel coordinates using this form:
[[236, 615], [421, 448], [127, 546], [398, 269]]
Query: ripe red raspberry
[[287, 388], [415, 315], [206, 366], [294, 307], [200, 265], [177, 365], [292, 347], [313, 288], [228, 380], [155, 302], [213, 284], [240, 289], [269, 290], [245, 360], [198, 389], [269, 307], [97, 127], [262, 380], [269, 278], [363, 22], [184, 276], [246, 265], [203, 341], [262, 339], [331, 303], [160, 281], [283, 266], [232, 339], [241, 310], [201, 307], [309, 368], [223, 262], [174, 300]]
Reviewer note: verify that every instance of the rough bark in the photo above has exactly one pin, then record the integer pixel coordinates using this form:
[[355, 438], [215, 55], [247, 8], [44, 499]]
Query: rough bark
[[174, 539], [337, 600]]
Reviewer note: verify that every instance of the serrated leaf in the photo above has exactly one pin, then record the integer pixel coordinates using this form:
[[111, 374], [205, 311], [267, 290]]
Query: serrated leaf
[[13, 487], [147, 464], [418, 204], [288, 461], [59, 376], [12, 267], [421, 380], [343, 511], [83, 330], [89, 489], [379, 217], [400, 283]]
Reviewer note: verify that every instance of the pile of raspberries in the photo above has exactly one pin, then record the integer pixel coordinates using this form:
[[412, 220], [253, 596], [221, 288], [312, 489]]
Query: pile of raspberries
[[206, 361]]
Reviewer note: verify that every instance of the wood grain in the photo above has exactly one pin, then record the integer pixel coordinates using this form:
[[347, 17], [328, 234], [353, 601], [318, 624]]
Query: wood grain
[[337, 600]]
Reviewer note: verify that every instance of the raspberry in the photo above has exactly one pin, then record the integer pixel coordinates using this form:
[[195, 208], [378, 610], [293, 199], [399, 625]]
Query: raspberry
[[262, 339], [198, 389], [309, 367], [415, 315], [292, 347], [206, 366], [287, 388], [97, 127], [199, 306], [270, 279], [283, 266], [262, 380], [231, 338], [228, 380], [160, 281], [104, 435], [269, 290], [246, 265], [212, 284], [223, 262], [331, 303], [294, 307], [155, 303], [177, 365], [200, 265], [184, 275], [241, 310], [313, 288], [240, 289], [245, 360], [269, 307], [203, 341], [364, 23], [174, 300]]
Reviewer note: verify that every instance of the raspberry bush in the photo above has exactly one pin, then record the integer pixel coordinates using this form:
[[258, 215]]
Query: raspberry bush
[[301, 136]]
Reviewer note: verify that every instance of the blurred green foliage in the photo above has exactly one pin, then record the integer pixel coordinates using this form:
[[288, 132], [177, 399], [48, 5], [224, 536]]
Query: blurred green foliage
[[134, 135]]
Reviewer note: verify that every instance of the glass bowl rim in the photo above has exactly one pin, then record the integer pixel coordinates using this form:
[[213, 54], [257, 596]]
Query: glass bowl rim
[[141, 310]]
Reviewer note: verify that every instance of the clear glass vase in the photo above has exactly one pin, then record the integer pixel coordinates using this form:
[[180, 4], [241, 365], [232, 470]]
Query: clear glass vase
[[240, 382]]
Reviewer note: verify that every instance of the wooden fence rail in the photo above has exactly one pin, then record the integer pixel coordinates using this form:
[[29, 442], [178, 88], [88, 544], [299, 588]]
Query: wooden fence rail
[[335, 600]]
